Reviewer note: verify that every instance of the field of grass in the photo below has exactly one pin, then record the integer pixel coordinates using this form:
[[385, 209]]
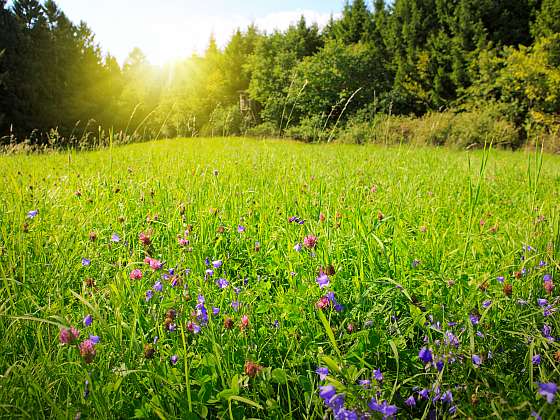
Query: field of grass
[[285, 280]]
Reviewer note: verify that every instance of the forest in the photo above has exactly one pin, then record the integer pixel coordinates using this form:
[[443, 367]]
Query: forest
[[461, 72]]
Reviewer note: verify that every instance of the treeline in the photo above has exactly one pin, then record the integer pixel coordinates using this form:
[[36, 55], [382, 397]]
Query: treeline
[[458, 71]]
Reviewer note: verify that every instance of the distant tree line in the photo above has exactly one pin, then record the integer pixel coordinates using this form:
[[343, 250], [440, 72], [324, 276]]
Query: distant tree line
[[406, 58]]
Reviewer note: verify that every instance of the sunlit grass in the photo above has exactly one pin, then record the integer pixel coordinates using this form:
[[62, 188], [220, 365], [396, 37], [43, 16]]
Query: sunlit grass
[[415, 237]]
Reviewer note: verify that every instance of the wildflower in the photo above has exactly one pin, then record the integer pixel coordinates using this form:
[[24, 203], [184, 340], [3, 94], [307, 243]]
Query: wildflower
[[475, 318], [536, 359], [423, 393], [222, 283], [327, 392], [548, 310], [86, 389], [86, 262], [88, 319], [310, 241], [378, 375], [477, 361], [439, 365], [215, 310], [115, 238], [228, 323], [217, 263], [486, 303], [173, 359], [322, 302], [364, 383], [193, 327], [453, 409], [425, 355], [500, 279], [548, 286], [240, 228], [536, 415], [384, 408], [297, 247], [145, 238], [410, 401], [68, 335], [94, 339], [149, 295], [323, 280], [244, 322], [350, 327], [252, 369], [322, 372], [546, 332], [447, 397], [235, 305], [548, 390], [153, 263], [182, 241], [542, 302], [32, 213], [158, 287], [135, 274], [149, 351], [208, 273], [415, 263], [87, 350]]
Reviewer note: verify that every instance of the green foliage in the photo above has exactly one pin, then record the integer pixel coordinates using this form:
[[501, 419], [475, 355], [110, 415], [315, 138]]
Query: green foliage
[[413, 239]]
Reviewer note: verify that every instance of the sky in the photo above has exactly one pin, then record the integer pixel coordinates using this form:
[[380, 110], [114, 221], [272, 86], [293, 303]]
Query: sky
[[166, 30]]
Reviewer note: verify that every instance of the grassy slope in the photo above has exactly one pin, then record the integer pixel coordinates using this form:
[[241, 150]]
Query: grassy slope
[[259, 185]]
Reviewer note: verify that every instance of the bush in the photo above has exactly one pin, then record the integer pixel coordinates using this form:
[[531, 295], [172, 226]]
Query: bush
[[465, 130]]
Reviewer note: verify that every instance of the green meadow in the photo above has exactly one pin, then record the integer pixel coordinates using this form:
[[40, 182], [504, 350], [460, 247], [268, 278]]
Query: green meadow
[[239, 278]]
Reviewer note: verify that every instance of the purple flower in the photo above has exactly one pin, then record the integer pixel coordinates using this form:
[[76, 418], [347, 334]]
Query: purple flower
[[536, 415], [548, 390], [173, 359], [88, 319], [477, 361], [215, 310], [410, 401], [209, 273], [475, 318], [240, 228], [522, 302], [323, 280], [32, 213], [486, 303], [480, 334], [453, 409], [500, 279], [222, 283], [86, 389], [423, 394], [327, 392], [425, 355], [547, 277], [542, 263], [322, 372], [235, 305], [385, 409], [542, 302], [546, 330], [415, 263], [115, 238], [86, 262], [94, 339], [217, 263], [297, 247], [158, 287], [149, 295], [439, 365], [447, 397], [364, 383], [207, 261], [536, 359], [378, 375]]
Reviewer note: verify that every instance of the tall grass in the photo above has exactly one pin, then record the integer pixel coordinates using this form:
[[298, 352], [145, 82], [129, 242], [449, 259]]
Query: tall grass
[[412, 239]]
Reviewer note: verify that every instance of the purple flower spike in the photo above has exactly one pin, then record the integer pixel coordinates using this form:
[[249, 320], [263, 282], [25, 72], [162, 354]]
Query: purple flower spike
[[410, 401]]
